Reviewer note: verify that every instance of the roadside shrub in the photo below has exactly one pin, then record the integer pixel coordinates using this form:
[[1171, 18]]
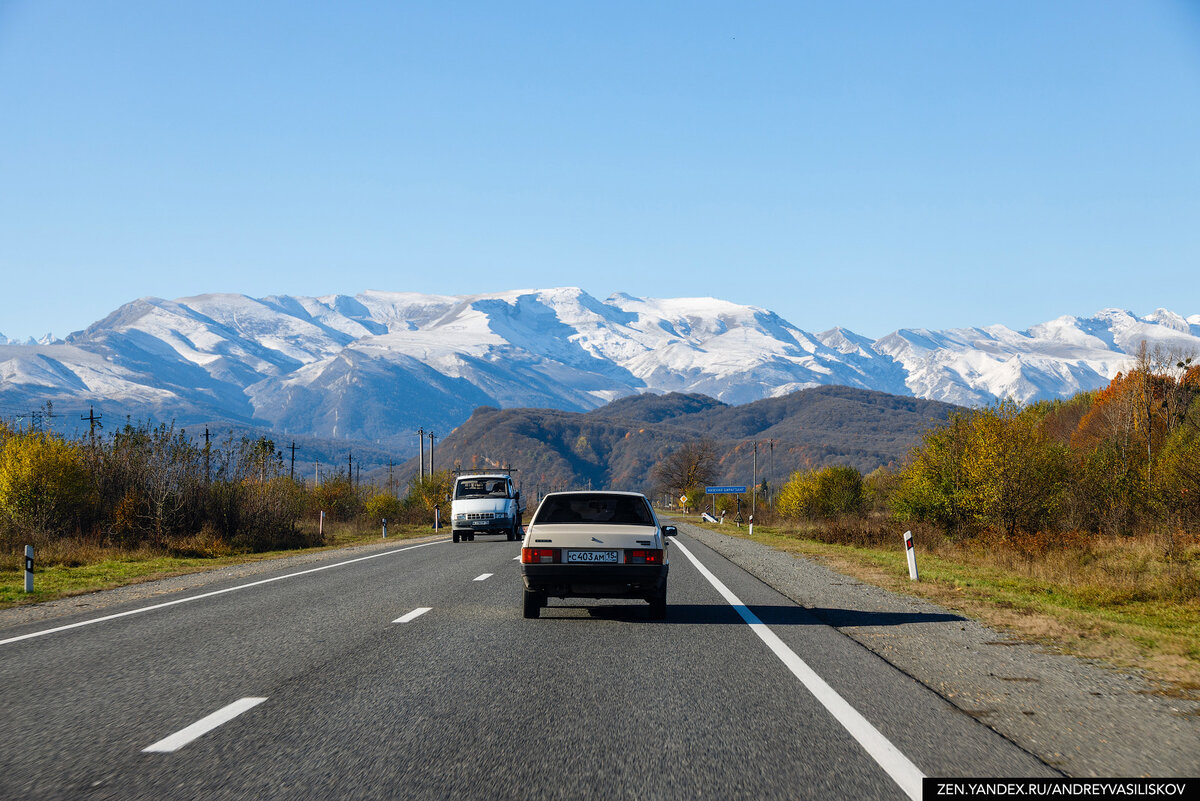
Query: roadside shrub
[[383, 506], [43, 482], [337, 497], [822, 494], [207, 544], [268, 514]]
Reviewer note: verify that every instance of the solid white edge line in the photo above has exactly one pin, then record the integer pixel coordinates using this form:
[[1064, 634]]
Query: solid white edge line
[[214, 593], [903, 772], [413, 615], [484, 577], [201, 727]]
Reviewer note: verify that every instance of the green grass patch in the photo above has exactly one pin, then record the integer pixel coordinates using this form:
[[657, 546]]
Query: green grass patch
[[107, 568]]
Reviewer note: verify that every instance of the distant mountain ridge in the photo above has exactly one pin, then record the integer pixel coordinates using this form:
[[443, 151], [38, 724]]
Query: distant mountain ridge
[[619, 444], [376, 366]]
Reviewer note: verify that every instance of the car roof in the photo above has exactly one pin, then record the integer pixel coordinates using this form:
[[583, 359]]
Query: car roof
[[616, 493]]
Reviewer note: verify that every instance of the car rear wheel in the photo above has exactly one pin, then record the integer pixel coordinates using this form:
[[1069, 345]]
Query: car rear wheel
[[533, 603], [658, 604]]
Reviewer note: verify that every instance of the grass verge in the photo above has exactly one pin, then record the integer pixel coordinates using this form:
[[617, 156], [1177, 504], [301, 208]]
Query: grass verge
[[1095, 610], [90, 568]]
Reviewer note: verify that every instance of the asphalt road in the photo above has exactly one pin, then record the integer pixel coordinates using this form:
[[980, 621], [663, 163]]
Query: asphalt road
[[468, 699]]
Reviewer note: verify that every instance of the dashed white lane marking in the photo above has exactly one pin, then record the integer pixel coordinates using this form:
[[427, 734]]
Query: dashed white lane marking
[[214, 593], [203, 726], [484, 577], [903, 772], [413, 615], [516, 559]]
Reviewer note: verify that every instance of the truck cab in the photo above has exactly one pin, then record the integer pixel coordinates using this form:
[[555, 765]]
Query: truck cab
[[485, 503]]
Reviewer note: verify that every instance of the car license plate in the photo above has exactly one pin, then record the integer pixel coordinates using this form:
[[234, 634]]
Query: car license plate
[[591, 556]]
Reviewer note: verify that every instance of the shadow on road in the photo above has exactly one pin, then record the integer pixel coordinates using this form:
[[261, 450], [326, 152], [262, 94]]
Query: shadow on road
[[774, 615]]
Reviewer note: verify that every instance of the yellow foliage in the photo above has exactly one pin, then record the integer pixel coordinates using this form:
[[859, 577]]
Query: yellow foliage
[[43, 481], [432, 490], [383, 506]]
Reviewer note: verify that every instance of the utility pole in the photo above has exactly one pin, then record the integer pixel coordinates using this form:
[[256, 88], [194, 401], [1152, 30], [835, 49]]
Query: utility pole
[[350, 468], [93, 421], [771, 486], [316, 473], [293, 460], [390, 490], [432, 437], [754, 475], [421, 438], [207, 458]]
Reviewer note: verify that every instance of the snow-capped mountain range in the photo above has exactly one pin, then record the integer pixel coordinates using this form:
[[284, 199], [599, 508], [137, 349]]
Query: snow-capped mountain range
[[377, 365]]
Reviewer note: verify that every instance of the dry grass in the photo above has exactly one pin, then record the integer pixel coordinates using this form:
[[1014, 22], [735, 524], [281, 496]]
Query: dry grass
[[1133, 602]]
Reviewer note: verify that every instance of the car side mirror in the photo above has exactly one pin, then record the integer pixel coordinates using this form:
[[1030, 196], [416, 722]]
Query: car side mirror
[[517, 495], [670, 531]]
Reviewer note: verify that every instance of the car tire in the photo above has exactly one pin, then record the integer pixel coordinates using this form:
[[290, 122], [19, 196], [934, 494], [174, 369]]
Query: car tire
[[658, 604], [532, 603]]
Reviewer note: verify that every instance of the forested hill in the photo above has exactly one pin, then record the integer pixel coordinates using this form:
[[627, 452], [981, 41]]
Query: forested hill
[[617, 446]]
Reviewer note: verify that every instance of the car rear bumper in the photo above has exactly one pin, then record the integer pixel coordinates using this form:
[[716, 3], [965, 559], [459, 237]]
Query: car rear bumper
[[595, 581]]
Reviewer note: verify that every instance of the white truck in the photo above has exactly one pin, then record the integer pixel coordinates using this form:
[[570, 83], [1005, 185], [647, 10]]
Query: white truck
[[485, 503]]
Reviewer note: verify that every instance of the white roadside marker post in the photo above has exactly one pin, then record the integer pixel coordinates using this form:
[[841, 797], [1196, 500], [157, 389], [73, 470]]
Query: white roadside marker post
[[912, 555], [751, 525], [28, 568], [321, 524], [385, 528]]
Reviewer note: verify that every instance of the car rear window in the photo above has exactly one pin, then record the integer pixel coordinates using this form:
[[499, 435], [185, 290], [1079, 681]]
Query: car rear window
[[610, 509]]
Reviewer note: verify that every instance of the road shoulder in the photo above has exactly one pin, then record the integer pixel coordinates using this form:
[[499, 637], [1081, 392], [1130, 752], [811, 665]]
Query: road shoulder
[[1076, 715], [159, 590]]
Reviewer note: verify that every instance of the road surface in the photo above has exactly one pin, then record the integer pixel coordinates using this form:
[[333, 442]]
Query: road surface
[[410, 673]]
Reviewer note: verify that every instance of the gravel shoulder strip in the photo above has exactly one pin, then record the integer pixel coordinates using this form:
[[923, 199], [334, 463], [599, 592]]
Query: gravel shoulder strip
[[1083, 718], [157, 589]]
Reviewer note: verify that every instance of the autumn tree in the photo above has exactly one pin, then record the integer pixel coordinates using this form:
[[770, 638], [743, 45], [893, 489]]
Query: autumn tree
[[1179, 469], [825, 493], [1014, 473], [687, 469], [430, 491], [932, 485], [43, 482]]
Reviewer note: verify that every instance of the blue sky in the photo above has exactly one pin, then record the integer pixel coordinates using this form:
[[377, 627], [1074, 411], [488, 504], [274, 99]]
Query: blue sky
[[874, 165]]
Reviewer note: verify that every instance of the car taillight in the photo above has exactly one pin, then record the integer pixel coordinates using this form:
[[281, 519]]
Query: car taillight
[[651, 556], [540, 556]]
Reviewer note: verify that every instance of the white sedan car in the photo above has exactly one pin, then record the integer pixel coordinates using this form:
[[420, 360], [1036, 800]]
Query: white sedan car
[[595, 545]]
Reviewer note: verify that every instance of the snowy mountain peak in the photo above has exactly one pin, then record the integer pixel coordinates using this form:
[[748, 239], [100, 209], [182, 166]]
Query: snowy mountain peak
[[378, 364]]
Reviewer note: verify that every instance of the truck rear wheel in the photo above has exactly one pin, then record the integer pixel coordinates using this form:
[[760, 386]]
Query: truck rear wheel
[[454, 536]]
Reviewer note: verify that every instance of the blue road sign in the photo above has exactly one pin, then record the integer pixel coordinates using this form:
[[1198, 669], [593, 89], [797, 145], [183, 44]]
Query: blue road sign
[[724, 490]]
